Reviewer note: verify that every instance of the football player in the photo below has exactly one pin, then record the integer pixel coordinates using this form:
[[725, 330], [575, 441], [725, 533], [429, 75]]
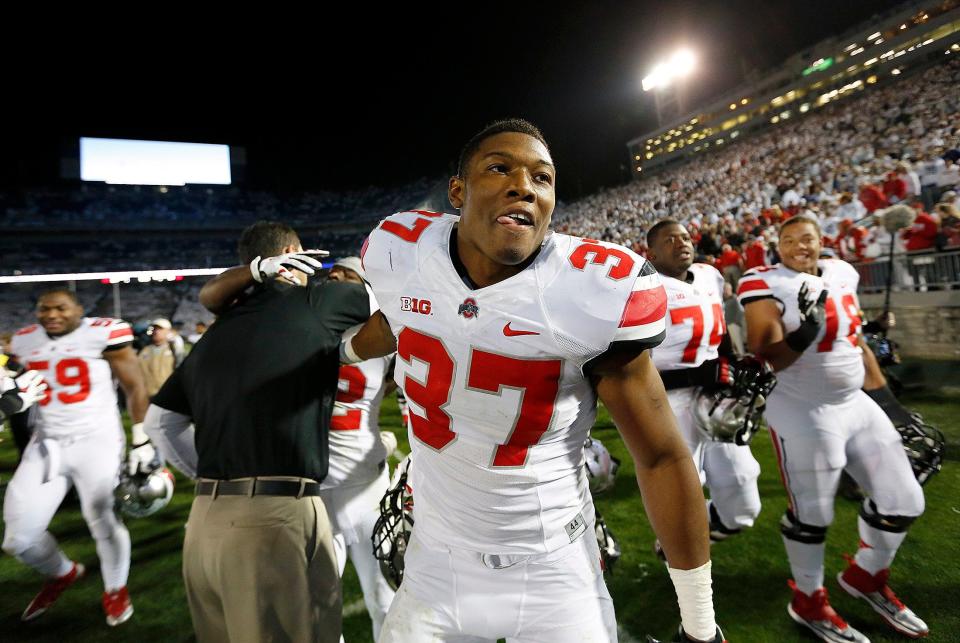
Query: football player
[[78, 440], [690, 359], [803, 317], [506, 336], [358, 476]]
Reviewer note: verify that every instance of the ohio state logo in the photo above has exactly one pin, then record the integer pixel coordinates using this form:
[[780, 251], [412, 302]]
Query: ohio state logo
[[414, 305], [469, 308]]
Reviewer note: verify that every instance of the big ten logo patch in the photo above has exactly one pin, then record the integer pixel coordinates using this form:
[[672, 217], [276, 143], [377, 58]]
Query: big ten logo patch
[[414, 305]]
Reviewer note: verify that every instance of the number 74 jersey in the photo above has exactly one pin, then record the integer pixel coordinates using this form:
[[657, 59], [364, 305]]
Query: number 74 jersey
[[500, 403], [81, 396]]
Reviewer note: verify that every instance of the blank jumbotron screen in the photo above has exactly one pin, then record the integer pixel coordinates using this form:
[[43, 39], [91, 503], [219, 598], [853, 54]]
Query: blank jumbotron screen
[[131, 162]]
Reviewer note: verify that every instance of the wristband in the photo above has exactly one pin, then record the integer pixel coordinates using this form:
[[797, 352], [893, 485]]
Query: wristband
[[255, 270], [138, 437], [347, 354], [695, 596]]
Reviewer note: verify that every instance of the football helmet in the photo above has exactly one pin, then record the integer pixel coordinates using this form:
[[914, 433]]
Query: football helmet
[[144, 493], [600, 465], [925, 447], [732, 414], [391, 532], [609, 547]]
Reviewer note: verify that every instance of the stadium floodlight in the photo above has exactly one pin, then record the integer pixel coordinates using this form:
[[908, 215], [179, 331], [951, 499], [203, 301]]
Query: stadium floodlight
[[678, 65]]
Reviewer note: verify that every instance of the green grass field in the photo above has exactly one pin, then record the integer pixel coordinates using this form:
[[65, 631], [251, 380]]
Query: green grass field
[[750, 571]]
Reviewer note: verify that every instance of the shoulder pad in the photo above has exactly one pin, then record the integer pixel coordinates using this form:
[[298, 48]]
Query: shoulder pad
[[601, 293], [392, 250], [755, 284], [113, 332]]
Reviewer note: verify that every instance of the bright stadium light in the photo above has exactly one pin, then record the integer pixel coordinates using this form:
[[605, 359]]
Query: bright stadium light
[[680, 64]]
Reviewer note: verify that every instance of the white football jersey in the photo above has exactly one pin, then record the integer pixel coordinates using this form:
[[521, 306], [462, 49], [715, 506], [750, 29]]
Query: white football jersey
[[695, 323], [356, 451], [494, 377], [81, 396], [832, 366]]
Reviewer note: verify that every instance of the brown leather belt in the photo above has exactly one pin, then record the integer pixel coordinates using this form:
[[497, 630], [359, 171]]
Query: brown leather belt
[[257, 487]]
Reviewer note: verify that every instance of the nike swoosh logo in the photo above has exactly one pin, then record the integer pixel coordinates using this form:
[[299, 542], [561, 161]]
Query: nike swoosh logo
[[509, 332]]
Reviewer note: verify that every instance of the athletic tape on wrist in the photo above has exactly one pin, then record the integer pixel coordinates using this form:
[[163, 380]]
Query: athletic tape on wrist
[[347, 354], [695, 596]]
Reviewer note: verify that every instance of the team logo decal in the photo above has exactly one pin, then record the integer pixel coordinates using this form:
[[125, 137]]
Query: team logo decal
[[469, 308]]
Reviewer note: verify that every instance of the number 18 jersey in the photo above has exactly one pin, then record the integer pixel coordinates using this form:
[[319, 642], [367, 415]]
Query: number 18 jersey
[[831, 369], [499, 401], [81, 396]]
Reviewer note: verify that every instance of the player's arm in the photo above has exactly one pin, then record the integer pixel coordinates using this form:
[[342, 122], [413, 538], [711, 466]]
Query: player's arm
[[218, 294], [765, 333], [875, 386], [172, 432], [374, 339], [631, 389], [126, 368]]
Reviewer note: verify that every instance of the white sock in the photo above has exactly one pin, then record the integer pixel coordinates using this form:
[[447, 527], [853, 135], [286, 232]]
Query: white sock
[[880, 550], [806, 563]]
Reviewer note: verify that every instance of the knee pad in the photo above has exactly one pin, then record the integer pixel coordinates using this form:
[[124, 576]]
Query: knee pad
[[14, 545], [793, 529], [104, 525], [893, 524]]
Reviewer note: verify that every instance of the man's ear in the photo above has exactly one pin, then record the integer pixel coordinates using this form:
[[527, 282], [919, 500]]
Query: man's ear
[[455, 191]]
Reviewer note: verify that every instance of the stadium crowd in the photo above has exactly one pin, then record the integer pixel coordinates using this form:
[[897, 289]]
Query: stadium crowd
[[895, 144]]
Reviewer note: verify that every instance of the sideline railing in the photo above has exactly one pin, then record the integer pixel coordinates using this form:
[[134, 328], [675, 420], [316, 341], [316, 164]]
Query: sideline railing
[[912, 272]]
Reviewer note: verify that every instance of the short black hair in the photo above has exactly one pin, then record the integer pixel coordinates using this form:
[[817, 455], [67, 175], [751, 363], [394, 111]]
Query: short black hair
[[72, 296], [657, 227], [800, 218], [518, 125], [265, 239]]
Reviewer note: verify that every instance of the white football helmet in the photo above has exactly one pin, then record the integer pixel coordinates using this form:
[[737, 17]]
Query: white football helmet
[[143, 494], [601, 466]]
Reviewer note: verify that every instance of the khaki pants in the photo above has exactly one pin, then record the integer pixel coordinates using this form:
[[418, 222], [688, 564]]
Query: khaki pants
[[261, 569]]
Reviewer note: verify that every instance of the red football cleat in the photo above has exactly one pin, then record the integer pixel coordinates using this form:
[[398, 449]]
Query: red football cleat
[[51, 591], [117, 606], [859, 583], [815, 613]]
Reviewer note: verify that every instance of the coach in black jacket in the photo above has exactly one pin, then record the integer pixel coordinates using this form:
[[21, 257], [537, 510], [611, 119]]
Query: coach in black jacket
[[259, 387]]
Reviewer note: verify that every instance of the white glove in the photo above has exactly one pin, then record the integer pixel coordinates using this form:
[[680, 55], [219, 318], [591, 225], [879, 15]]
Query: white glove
[[142, 456], [279, 266], [31, 387], [389, 441]]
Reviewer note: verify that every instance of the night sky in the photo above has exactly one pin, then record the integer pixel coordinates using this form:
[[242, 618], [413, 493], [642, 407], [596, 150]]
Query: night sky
[[383, 97]]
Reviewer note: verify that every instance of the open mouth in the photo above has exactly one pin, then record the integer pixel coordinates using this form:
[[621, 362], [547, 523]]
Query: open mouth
[[515, 219]]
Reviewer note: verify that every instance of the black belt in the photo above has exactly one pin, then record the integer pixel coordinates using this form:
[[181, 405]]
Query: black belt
[[257, 487]]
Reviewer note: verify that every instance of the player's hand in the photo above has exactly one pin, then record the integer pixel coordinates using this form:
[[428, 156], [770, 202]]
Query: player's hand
[[812, 315], [715, 373], [264, 269], [30, 388], [142, 459], [389, 441]]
